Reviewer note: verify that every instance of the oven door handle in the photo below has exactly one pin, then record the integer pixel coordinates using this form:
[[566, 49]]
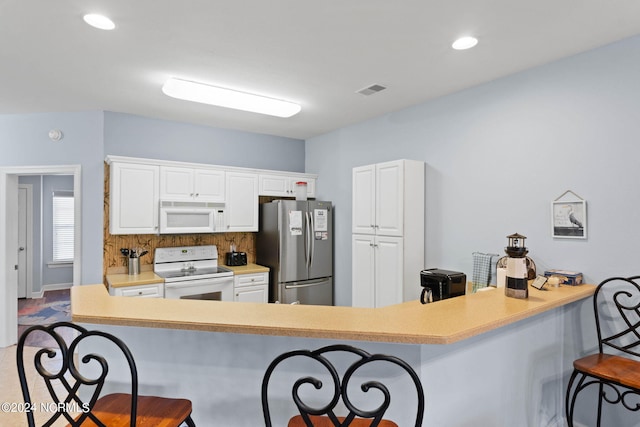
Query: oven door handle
[[199, 282]]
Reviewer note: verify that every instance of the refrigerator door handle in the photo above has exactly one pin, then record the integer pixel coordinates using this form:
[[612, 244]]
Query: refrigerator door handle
[[306, 284], [312, 229], [308, 224]]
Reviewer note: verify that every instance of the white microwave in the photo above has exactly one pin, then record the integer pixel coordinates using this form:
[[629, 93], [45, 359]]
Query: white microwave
[[178, 217]]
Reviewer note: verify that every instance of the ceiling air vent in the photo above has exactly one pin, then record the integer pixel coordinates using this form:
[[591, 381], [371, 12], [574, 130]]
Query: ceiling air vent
[[370, 90]]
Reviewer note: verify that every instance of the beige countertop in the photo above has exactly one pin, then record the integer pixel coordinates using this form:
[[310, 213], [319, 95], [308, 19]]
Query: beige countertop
[[247, 269], [442, 322], [123, 280]]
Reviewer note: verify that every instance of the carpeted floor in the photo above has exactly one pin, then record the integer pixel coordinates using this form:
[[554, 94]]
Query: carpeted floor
[[45, 314], [54, 306]]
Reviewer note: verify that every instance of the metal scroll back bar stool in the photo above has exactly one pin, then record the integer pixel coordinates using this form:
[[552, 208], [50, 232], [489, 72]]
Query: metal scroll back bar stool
[[323, 415], [615, 369], [75, 379]]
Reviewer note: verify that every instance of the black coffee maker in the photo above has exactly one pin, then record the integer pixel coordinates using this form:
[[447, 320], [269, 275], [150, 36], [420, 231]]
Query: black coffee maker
[[440, 284]]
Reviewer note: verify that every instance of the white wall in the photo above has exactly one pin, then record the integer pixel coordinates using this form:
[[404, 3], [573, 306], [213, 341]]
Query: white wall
[[497, 155]]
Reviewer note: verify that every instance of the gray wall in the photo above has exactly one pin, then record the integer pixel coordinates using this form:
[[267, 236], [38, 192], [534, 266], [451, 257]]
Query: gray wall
[[135, 136], [497, 155], [25, 142], [90, 136]]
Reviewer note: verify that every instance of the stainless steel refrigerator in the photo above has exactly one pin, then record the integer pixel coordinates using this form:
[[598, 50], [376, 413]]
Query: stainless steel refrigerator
[[296, 242]]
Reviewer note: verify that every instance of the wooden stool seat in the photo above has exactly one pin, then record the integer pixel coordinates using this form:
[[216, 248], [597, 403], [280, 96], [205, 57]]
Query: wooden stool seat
[[616, 306], [615, 369], [320, 421], [113, 411]]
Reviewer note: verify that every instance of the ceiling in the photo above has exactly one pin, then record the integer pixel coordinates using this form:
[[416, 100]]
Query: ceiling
[[318, 54]]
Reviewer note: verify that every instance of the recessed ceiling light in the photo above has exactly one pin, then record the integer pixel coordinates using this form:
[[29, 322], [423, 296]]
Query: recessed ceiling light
[[228, 98], [464, 43], [99, 21]]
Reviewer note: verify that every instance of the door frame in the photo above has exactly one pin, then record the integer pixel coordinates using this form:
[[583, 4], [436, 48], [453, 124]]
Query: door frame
[[9, 235], [28, 218]]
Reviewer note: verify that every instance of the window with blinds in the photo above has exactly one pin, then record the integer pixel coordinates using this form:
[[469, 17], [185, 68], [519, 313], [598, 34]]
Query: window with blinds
[[63, 219]]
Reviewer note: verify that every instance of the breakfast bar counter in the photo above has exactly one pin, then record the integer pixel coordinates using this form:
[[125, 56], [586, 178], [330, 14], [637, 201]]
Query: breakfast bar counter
[[516, 353], [442, 322]]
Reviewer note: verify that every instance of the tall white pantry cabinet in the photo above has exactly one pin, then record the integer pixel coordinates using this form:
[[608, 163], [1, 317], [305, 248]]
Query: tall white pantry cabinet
[[388, 232]]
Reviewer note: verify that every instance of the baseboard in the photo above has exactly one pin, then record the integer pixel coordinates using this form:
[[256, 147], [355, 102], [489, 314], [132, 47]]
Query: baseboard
[[51, 287]]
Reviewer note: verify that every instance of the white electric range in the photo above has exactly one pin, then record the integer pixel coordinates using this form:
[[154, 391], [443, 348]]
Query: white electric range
[[192, 272]]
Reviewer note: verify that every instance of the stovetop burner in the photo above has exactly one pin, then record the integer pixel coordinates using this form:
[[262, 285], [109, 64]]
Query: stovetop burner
[[188, 263]]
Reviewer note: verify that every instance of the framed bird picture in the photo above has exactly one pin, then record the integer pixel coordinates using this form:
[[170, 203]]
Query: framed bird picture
[[569, 217]]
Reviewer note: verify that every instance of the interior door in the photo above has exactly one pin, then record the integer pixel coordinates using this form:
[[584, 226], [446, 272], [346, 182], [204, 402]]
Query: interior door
[[23, 247]]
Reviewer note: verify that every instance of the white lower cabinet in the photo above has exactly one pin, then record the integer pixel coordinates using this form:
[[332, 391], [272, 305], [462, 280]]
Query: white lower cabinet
[[378, 271], [251, 287], [152, 290]]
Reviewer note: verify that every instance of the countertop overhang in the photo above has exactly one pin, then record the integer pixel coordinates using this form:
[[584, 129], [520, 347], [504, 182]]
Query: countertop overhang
[[442, 322]]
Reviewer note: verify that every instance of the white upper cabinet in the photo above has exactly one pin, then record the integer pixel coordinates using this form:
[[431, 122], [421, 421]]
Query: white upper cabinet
[[284, 185], [378, 199], [364, 199], [242, 201], [390, 196], [138, 185], [192, 184], [134, 200]]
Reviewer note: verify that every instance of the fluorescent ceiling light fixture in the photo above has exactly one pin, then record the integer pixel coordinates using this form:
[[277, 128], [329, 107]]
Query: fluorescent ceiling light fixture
[[228, 98], [464, 43], [99, 21]]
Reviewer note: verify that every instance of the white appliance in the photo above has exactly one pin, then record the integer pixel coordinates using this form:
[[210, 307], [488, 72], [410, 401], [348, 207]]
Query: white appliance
[[181, 217], [192, 272]]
